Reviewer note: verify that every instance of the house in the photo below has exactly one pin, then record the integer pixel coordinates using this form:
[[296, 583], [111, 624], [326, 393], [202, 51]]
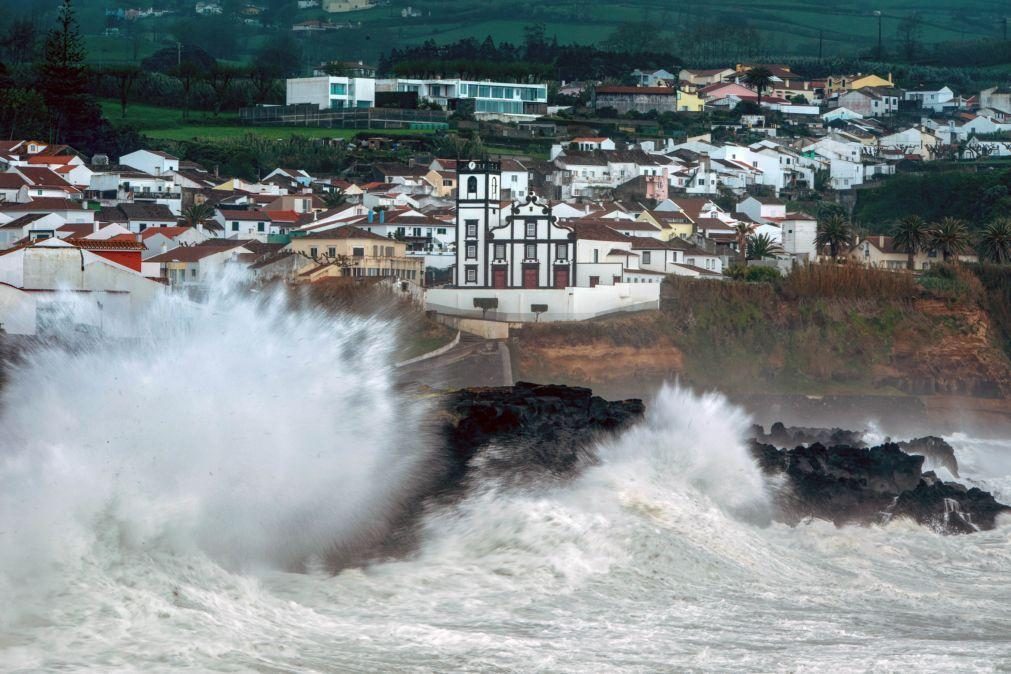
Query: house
[[912, 141], [70, 211], [70, 167], [871, 101], [505, 101], [933, 100], [351, 252], [159, 240], [126, 251], [862, 82], [191, 268], [296, 175], [643, 99], [996, 98], [138, 217], [698, 78], [655, 78], [340, 6], [331, 93], [237, 224], [880, 252], [841, 114], [590, 143], [42, 182], [151, 162], [53, 286], [34, 226]]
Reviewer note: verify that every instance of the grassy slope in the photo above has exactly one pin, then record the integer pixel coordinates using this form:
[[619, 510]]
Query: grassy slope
[[750, 338], [168, 124], [786, 26]]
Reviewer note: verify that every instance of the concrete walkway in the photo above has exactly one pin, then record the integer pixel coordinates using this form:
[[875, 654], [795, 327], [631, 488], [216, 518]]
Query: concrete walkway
[[472, 362]]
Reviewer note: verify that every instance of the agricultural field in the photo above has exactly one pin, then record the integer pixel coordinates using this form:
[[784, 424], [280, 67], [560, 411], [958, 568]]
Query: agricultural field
[[168, 124]]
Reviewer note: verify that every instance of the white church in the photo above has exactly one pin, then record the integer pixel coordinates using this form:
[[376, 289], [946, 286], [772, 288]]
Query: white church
[[515, 262]]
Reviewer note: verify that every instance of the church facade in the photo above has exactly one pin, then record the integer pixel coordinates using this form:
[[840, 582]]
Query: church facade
[[504, 245]]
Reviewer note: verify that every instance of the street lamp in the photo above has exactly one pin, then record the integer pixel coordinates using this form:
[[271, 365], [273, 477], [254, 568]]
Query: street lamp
[[878, 14]]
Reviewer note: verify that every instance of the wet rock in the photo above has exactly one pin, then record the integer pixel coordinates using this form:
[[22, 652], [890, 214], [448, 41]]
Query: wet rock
[[934, 448], [526, 429], [783, 436], [855, 485], [948, 507]]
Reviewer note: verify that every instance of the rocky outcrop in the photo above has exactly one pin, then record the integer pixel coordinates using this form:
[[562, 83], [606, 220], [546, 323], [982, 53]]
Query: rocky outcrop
[[781, 435], [858, 485], [934, 448], [528, 430]]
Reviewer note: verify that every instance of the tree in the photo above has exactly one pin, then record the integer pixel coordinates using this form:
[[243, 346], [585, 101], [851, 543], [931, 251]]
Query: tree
[[759, 79], [762, 246], [197, 213], [19, 41], [63, 76], [911, 235], [950, 237], [125, 76], [995, 242], [220, 79], [187, 74], [334, 198], [834, 232], [743, 232], [908, 32]]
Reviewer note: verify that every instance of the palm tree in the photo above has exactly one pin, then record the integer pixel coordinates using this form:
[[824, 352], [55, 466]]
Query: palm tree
[[759, 78], [334, 198], [197, 213], [761, 246], [951, 238], [743, 231], [911, 235], [834, 232], [995, 242]]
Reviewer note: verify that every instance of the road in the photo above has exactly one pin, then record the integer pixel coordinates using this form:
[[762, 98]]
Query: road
[[473, 362]]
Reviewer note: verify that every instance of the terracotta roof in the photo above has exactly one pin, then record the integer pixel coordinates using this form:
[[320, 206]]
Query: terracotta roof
[[194, 253], [24, 220], [114, 243], [11, 181], [258, 216], [652, 91], [594, 231], [345, 232], [170, 232], [619, 251], [45, 204], [50, 159]]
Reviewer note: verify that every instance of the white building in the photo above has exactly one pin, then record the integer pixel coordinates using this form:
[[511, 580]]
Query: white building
[[52, 286], [150, 161], [332, 93], [494, 100]]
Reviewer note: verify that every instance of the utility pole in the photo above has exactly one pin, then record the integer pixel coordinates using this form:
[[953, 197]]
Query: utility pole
[[879, 14]]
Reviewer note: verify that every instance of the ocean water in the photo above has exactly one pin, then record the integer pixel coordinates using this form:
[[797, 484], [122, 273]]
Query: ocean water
[[167, 504]]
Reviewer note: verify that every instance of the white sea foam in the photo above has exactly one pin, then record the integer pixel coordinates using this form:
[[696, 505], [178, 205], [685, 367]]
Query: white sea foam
[[152, 496]]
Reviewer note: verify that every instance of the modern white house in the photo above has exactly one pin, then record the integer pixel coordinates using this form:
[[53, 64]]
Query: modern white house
[[495, 100], [332, 93]]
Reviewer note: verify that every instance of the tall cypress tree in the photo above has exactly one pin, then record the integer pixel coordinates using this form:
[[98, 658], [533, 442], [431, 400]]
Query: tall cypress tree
[[64, 78]]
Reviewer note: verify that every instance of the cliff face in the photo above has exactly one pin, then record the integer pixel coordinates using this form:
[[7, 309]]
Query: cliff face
[[752, 340]]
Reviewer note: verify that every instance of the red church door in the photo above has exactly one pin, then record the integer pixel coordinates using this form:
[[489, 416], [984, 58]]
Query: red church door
[[498, 277], [530, 277], [561, 277]]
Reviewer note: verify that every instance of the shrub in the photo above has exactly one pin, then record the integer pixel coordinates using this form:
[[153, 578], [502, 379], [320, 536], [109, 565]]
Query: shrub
[[850, 281], [761, 274]]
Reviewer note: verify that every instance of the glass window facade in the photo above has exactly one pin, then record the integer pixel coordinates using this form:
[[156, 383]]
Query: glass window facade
[[337, 89]]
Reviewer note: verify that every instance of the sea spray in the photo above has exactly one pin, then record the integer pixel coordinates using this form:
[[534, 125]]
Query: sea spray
[[260, 434]]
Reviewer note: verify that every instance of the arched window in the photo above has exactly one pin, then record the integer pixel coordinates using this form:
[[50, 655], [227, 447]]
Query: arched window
[[494, 188], [472, 185]]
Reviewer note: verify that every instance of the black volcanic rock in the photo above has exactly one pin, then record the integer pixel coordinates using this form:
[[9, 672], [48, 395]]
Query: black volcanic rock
[[949, 507], [783, 436], [853, 485], [528, 429], [933, 448]]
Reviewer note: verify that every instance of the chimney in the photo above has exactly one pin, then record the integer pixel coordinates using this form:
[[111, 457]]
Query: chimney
[[372, 215], [881, 242], [140, 238], [382, 216], [216, 171]]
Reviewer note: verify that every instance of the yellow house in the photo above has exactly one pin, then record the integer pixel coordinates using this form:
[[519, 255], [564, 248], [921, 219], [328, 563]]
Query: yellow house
[[671, 223], [689, 102], [839, 83], [348, 251]]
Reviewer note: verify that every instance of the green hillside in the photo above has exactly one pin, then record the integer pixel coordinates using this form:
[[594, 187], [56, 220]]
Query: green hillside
[[697, 30]]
